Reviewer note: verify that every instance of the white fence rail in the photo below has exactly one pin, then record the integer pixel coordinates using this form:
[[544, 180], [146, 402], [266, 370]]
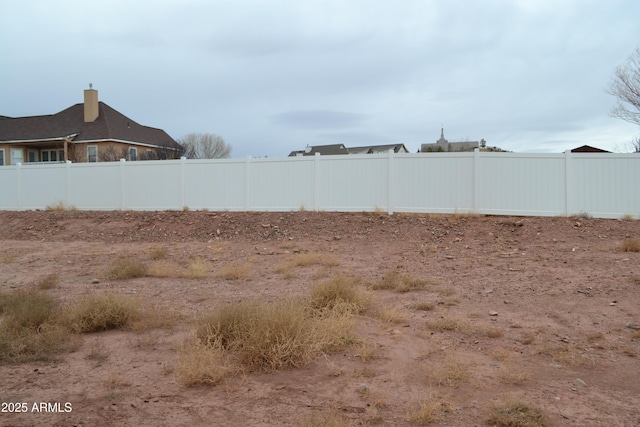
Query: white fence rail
[[601, 185]]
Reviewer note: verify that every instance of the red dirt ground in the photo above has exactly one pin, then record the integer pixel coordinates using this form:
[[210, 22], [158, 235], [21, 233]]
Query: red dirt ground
[[562, 296]]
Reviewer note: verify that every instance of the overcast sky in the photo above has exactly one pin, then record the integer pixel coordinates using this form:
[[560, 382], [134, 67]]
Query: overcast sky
[[274, 76]]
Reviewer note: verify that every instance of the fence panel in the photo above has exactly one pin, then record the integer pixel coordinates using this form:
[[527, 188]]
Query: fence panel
[[605, 185], [521, 184], [434, 182], [602, 185]]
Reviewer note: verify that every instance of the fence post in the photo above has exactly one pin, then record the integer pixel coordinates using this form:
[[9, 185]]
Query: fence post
[[67, 193], [567, 182], [123, 186], [183, 181], [316, 182], [247, 183], [476, 178], [19, 182], [390, 182]]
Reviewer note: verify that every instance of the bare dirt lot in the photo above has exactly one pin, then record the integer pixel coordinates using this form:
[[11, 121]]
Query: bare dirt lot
[[544, 311]]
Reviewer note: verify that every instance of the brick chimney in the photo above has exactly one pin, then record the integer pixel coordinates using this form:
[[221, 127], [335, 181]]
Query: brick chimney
[[90, 104]]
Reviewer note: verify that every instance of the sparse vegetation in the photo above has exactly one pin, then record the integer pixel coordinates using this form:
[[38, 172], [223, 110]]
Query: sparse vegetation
[[49, 281], [452, 373], [30, 328], [393, 280], [429, 411], [339, 291], [158, 253], [235, 271], [60, 206], [514, 413], [125, 266], [197, 269], [102, 312], [262, 336], [630, 245], [512, 375]]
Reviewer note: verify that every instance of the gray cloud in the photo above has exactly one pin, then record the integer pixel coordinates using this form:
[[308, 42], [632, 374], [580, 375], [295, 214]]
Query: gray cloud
[[319, 119], [274, 76]]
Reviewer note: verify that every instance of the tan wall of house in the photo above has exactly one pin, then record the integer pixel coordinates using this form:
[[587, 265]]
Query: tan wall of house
[[107, 151]]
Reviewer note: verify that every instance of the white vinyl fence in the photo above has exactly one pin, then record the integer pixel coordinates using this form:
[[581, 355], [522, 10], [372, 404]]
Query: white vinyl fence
[[601, 185]]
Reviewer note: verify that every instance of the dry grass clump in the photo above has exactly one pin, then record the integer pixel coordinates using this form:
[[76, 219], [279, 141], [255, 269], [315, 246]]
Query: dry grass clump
[[452, 373], [94, 313], [268, 336], [197, 269], [265, 337], [339, 291], [49, 281], [565, 355], [163, 269], [125, 266], [514, 413], [235, 271], [392, 280], [450, 324], [512, 375], [30, 328], [429, 411], [423, 306], [158, 253], [630, 245], [60, 206], [199, 364]]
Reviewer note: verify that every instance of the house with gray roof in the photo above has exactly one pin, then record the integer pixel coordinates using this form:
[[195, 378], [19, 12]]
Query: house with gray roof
[[88, 132], [333, 149]]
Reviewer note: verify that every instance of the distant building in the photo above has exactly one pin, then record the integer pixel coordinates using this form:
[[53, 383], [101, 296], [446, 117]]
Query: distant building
[[88, 132], [333, 149], [444, 145], [589, 149]]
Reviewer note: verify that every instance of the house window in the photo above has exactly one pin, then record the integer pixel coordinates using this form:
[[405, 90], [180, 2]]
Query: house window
[[1, 156], [150, 155], [92, 153], [133, 154], [50, 155], [32, 155], [17, 156]]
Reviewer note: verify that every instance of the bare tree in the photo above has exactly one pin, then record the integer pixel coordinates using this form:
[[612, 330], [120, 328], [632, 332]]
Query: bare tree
[[112, 153], [625, 86], [204, 146]]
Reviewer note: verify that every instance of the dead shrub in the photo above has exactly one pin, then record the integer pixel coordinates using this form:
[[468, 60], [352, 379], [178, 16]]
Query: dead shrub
[[273, 336], [159, 253], [30, 329], [450, 324], [235, 271], [514, 413], [199, 364], [423, 306], [49, 281], [197, 269], [125, 266], [163, 269], [28, 310], [339, 290], [452, 373], [630, 245], [392, 280], [512, 375], [429, 411], [94, 313]]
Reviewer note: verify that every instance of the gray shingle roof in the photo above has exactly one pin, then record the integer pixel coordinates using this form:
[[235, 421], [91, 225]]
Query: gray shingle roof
[[110, 125]]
